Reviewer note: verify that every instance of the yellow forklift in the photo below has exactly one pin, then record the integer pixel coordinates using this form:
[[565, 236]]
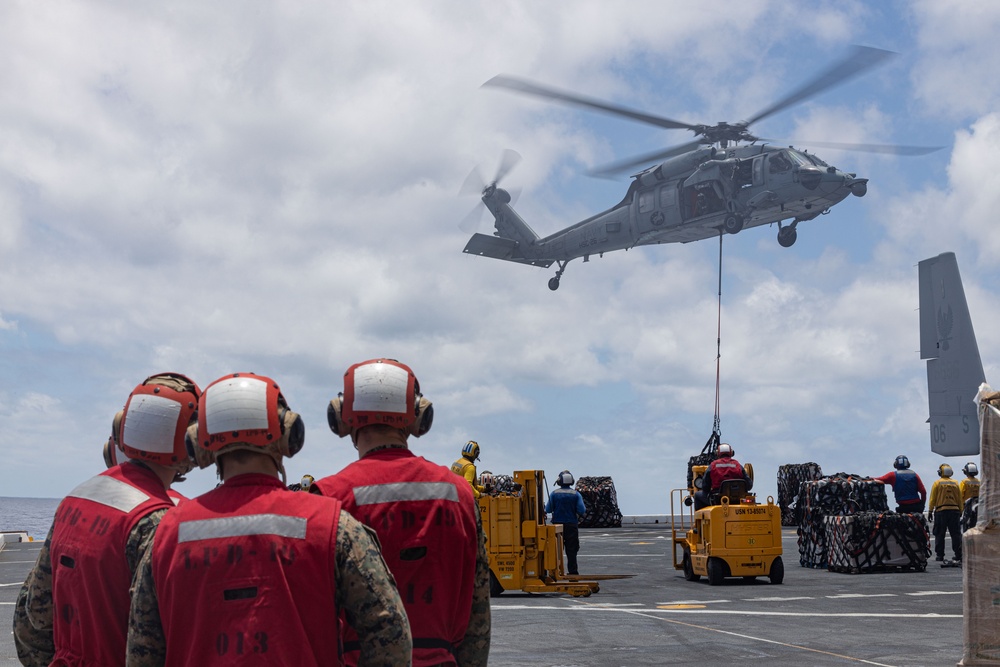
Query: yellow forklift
[[526, 554], [734, 536]]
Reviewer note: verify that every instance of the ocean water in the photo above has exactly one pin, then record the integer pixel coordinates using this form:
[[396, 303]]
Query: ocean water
[[33, 515]]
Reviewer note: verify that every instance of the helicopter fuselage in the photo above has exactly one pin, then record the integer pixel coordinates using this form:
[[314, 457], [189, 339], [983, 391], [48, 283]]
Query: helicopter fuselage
[[691, 197]]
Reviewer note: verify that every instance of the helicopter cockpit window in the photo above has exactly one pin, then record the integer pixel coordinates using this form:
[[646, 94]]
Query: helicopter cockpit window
[[807, 159], [778, 163]]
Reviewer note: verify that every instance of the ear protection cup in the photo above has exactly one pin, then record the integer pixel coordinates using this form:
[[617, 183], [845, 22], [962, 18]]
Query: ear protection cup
[[334, 416], [110, 453], [425, 417], [293, 430], [201, 456], [116, 429]]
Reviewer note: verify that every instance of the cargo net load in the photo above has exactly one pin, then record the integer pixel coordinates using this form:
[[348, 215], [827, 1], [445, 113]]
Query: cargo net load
[[876, 542], [601, 501], [505, 484], [840, 494], [790, 478]]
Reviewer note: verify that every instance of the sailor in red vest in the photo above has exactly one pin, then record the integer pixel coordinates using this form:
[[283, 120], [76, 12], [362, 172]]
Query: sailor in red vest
[[426, 517], [73, 608], [723, 467], [252, 571]]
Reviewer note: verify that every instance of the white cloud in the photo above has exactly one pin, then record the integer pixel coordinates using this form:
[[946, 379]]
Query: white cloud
[[212, 188]]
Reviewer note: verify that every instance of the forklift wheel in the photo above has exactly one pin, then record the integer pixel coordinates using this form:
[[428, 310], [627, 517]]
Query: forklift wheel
[[777, 574], [689, 569], [716, 571], [495, 588]]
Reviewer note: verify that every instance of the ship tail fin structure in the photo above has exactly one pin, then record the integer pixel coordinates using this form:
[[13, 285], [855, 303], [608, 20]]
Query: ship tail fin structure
[[954, 368]]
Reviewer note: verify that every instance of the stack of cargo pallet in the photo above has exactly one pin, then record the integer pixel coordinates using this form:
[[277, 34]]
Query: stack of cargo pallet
[[601, 501], [981, 546], [840, 494], [790, 478], [877, 542]]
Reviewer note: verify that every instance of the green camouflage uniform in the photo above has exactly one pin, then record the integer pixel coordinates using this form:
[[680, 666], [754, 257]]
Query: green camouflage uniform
[[33, 632], [475, 647], [366, 593]]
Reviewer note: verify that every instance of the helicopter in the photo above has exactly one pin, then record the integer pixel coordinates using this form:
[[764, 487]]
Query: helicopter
[[723, 181]]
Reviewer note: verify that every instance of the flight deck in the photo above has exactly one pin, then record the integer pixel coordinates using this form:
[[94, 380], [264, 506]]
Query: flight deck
[[815, 617]]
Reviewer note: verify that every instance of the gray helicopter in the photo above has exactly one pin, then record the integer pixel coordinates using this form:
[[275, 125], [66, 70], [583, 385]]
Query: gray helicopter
[[723, 181]]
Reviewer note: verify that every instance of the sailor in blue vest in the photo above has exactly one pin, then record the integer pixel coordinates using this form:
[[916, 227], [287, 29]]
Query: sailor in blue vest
[[566, 504], [906, 486]]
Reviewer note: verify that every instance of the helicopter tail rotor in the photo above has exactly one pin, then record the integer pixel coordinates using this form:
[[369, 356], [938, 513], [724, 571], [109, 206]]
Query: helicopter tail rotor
[[475, 184]]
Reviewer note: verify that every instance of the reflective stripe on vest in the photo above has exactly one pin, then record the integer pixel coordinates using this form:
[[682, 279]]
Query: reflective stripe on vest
[[241, 526], [404, 491], [110, 492]]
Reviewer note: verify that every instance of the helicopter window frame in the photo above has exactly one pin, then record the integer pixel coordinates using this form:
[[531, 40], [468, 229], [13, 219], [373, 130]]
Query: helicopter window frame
[[647, 201], [668, 196], [613, 227]]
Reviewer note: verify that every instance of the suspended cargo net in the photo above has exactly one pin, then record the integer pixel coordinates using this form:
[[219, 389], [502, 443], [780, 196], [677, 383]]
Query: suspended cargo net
[[601, 501], [790, 478], [840, 494], [877, 542], [702, 459]]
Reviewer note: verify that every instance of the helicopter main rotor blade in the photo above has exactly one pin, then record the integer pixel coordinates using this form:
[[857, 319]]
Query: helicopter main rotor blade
[[616, 168], [527, 87], [859, 60], [885, 149]]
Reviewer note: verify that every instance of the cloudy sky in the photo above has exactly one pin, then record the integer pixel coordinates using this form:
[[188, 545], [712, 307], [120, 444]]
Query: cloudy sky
[[272, 187]]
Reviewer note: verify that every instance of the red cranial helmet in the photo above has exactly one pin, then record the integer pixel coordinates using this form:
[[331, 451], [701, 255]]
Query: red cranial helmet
[[152, 425], [245, 411], [380, 391]]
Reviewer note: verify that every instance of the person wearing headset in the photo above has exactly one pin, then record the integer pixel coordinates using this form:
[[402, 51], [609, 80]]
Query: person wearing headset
[[565, 504], [466, 466], [102, 529], [946, 511], [251, 570], [426, 518], [970, 495], [906, 485]]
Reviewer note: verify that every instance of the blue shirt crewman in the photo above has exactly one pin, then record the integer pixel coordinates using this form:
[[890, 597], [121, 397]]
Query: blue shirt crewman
[[566, 504]]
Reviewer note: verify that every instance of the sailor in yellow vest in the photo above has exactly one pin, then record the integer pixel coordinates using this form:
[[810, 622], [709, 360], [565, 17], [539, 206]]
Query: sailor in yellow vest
[[466, 466], [946, 511], [970, 495], [969, 485]]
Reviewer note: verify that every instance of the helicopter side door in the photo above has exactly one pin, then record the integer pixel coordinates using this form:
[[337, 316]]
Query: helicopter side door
[[657, 208]]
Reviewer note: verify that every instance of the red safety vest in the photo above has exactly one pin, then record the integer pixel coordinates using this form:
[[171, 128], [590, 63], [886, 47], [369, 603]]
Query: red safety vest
[[245, 575], [425, 517], [723, 469], [90, 575]]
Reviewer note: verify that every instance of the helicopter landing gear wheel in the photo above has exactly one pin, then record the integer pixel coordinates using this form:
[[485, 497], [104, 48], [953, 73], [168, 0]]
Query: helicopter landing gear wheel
[[554, 281], [733, 223], [786, 237]]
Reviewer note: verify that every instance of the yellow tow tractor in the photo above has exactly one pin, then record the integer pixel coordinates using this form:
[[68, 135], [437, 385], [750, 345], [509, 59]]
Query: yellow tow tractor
[[525, 553], [734, 536]]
